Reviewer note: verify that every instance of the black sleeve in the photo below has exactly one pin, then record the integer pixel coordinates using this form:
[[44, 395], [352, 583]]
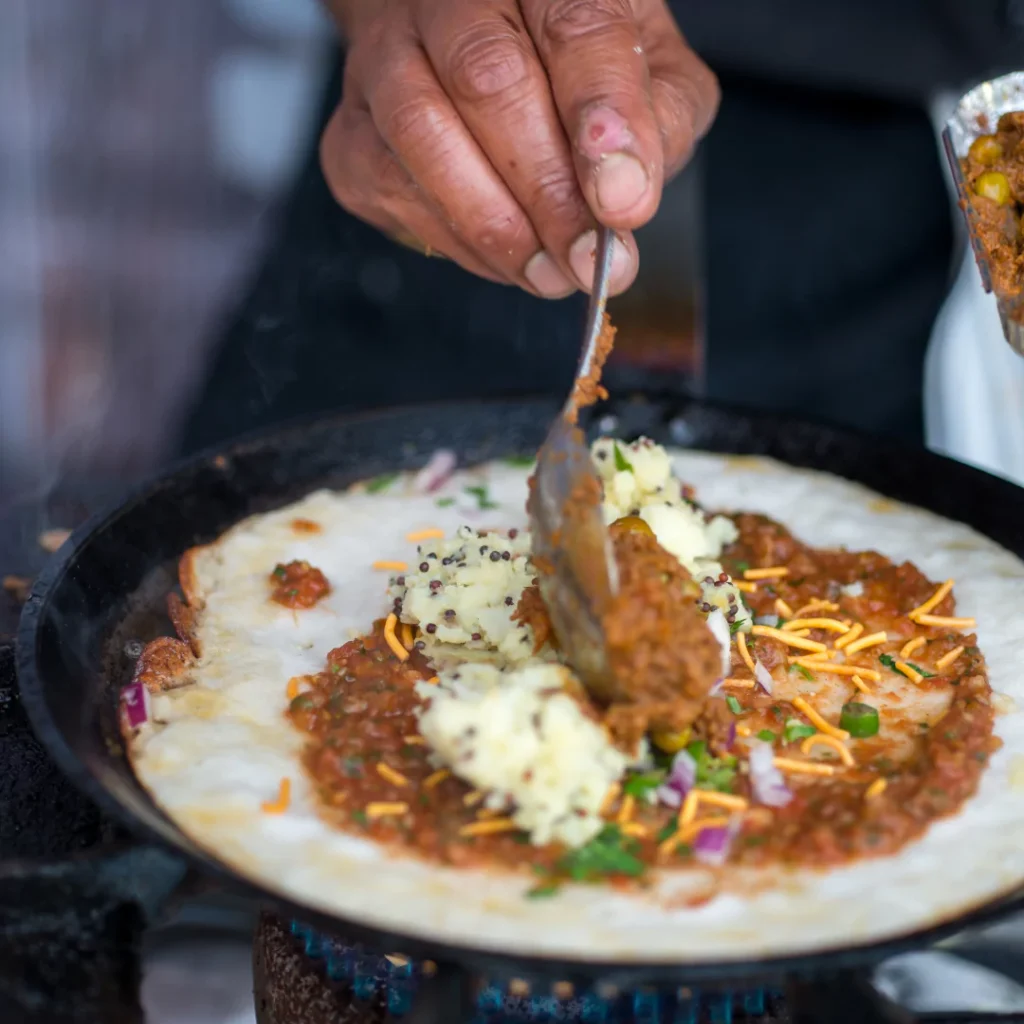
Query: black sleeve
[[892, 49]]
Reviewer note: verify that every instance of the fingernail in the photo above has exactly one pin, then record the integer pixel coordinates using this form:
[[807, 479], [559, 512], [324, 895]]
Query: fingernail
[[621, 182], [581, 259], [543, 273]]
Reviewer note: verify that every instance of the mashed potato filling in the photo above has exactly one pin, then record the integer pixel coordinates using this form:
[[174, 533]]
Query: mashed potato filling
[[519, 737], [501, 718]]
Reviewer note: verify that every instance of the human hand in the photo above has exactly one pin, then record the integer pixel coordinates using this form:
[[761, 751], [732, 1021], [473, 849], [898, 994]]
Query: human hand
[[495, 132]]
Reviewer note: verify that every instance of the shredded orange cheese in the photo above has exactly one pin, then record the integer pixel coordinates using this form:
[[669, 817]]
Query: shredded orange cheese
[[877, 788], [689, 809], [912, 645], [293, 687], [383, 809], [434, 680], [790, 639], [436, 779], [488, 828], [388, 774], [742, 684], [840, 670], [432, 533], [626, 810], [746, 588], [765, 574], [861, 685], [472, 798], [741, 646], [947, 659], [947, 621], [833, 625], [635, 830], [817, 721], [689, 832], [932, 602], [386, 566], [847, 638], [414, 741], [782, 609], [391, 640], [284, 798], [742, 730], [407, 636], [726, 800], [696, 797], [816, 604], [807, 659], [821, 740], [788, 764], [912, 674], [485, 813], [871, 640]]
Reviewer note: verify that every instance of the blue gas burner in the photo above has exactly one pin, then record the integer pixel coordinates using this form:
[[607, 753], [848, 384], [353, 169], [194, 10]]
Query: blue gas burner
[[393, 981]]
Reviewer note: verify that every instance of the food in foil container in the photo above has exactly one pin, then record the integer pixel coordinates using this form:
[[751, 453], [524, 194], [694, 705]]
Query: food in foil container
[[985, 144]]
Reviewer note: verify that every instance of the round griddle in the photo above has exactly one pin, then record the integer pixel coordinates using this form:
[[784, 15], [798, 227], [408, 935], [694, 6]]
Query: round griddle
[[103, 596]]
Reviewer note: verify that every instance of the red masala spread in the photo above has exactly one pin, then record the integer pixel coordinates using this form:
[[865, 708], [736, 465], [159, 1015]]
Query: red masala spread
[[298, 585], [374, 775], [994, 172]]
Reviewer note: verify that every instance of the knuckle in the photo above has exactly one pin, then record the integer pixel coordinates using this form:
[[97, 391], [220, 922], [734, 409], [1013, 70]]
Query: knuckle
[[566, 21], [557, 193], [486, 60]]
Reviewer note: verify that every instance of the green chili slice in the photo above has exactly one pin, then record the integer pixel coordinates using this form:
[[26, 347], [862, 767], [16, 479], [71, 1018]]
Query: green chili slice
[[859, 720]]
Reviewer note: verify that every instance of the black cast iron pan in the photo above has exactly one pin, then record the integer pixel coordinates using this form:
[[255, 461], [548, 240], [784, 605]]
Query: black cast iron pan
[[103, 597]]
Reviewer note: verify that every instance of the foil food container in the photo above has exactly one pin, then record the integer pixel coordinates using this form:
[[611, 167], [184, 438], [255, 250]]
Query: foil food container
[[976, 114]]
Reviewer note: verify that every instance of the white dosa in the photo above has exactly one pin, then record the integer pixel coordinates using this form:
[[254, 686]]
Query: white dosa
[[227, 744]]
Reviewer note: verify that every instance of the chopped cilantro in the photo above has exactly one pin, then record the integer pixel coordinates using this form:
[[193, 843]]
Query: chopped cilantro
[[755, 840], [668, 831], [734, 705], [797, 730], [638, 786], [780, 622], [280, 571], [712, 772], [767, 735], [742, 566], [890, 662], [735, 627], [352, 767], [445, 502], [805, 672], [359, 817], [520, 460], [543, 891], [483, 499], [606, 854], [381, 483], [622, 464]]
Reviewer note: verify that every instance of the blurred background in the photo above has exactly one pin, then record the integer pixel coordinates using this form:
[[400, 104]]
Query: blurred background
[[146, 151]]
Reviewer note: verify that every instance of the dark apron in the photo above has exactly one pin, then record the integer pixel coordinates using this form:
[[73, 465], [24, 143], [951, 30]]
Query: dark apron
[[828, 252]]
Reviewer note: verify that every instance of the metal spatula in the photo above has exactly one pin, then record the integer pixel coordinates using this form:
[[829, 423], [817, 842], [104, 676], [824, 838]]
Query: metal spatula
[[578, 572]]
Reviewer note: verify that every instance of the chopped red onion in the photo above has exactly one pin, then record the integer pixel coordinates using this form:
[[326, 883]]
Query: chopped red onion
[[731, 739], [436, 472], [766, 620], [720, 631], [764, 677], [135, 703], [679, 781], [767, 782], [712, 845], [716, 690]]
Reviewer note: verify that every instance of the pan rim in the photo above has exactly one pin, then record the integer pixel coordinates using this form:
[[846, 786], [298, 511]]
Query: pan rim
[[81, 774]]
